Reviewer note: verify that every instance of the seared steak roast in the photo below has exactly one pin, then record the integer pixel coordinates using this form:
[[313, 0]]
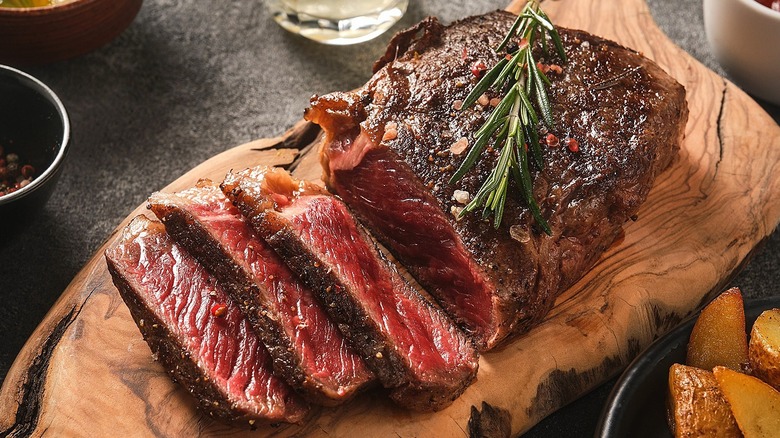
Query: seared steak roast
[[412, 346], [308, 349], [392, 147], [199, 336]]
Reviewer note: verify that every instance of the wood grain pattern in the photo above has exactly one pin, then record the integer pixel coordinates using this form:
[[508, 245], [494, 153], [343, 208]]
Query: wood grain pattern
[[86, 370]]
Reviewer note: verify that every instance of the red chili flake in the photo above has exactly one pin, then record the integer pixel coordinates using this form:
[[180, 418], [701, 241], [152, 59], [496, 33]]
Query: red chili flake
[[219, 310], [464, 54], [478, 68], [543, 67], [552, 141], [27, 171], [280, 200], [573, 145], [555, 68]]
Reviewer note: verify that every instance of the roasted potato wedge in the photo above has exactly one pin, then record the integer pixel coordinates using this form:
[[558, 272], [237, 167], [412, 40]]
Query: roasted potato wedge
[[697, 407], [764, 348], [755, 405], [718, 337]]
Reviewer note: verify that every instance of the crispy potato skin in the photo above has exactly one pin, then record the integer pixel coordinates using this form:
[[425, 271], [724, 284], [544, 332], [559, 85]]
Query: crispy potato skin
[[764, 348], [729, 401], [697, 407], [755, 405], [719, 337]]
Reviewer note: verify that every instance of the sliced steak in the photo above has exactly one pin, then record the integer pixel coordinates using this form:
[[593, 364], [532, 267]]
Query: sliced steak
[[200, 337], [412, 346], [308, 349], [391, 148]]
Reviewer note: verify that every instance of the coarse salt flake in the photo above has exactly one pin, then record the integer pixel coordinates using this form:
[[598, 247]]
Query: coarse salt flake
[[459, 146], [391, 131], [455, 210], [461, 196]]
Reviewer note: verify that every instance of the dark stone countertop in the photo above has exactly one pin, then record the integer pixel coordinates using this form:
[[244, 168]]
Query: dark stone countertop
[[190, 79]]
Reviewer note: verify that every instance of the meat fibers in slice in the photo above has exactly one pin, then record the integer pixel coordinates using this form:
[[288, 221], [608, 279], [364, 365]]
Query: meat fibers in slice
[[411, 345], [308, 349], [392, 147], [199, 336]]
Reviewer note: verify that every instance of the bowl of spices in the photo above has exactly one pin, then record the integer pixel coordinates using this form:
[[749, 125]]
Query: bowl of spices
[[34, 32], [744, 35], [34, 140]]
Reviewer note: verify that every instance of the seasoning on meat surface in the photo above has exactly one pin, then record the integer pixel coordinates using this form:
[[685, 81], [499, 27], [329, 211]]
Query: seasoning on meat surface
[[412, 346], [392, 146], [309, 351], [213, 354]]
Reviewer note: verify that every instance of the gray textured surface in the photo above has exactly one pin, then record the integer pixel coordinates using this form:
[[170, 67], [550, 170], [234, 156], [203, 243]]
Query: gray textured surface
[[190, 79]]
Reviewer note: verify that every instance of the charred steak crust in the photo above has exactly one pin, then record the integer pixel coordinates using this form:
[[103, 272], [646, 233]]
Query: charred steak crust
[[430, 391], [356, 325], [179, 361], [191, 234], [627, 115], [209, 254]]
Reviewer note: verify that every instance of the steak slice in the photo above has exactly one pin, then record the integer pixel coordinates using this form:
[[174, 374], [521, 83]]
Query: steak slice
[[308, 350], [199, 336], [391, 148], [411, 345]]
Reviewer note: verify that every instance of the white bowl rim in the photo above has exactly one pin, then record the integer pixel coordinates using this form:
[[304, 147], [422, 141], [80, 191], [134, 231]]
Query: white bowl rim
[[761, 9], [62, 147]]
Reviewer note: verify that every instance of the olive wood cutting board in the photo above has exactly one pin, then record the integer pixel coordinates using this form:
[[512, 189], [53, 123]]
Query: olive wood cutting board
[[86, 370]]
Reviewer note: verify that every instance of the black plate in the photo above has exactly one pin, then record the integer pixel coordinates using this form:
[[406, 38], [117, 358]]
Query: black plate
[[637, 405]]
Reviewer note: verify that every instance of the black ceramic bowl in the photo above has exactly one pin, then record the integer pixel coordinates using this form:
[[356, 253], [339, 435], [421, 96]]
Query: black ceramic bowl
[[35, 126]]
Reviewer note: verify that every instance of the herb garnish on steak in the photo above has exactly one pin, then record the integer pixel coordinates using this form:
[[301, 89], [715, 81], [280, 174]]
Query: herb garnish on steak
[[515, 119]]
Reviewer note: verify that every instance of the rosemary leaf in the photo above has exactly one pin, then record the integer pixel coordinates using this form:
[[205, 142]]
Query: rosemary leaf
[[524, 176], [513, 124], [536, 149], [540, 92], [528, 107], [541, 19], [511, 32], [471, 157]]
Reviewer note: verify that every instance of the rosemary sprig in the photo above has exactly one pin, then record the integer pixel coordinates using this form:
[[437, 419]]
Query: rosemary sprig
[[513, 123]]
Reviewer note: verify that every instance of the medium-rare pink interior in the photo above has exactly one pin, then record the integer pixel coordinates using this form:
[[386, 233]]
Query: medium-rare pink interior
[[328, 364], [326, 226], [407, 216], [412, 346], [196, 312]]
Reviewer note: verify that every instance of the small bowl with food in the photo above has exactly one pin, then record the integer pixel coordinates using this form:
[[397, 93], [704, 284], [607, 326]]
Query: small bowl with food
[[716, 374], [34, 140], [744, 36], [34, 32]]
